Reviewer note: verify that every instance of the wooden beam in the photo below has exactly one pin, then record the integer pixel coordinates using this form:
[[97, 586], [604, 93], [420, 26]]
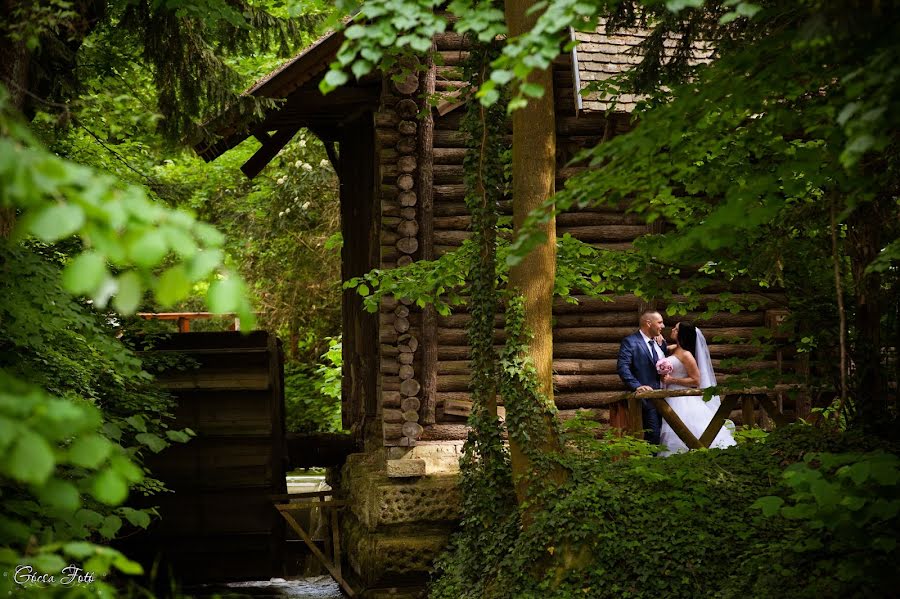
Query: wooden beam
[[332, 153], [335, 573], [728, 404], [747, 411], [683, 432], [769, 406], [268, 151], [426, 237], [635, 417]]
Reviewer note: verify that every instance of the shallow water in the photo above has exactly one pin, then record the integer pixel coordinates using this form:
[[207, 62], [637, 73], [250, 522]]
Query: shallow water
[[315, 587]]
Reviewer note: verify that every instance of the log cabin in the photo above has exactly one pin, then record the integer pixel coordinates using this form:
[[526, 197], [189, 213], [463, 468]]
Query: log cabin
[[400, 164], [401, 188]]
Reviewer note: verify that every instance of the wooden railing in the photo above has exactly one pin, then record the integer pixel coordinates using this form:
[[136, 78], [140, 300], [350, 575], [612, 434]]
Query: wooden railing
[[764, 396], [184, 318], [324, 501]]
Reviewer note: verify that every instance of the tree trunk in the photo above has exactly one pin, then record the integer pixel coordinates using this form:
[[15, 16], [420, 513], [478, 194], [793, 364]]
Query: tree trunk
[[14, 76], [533, 174], [863, 245]]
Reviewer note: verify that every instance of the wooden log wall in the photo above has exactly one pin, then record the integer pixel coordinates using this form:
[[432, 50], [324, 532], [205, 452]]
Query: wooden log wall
[[398, 138], [586, 334]]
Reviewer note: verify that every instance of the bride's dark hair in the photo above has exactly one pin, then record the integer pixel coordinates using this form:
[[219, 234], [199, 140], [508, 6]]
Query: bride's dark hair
[[687, 336]]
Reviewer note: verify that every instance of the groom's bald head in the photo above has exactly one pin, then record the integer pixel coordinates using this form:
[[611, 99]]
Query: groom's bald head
[[651, 323]]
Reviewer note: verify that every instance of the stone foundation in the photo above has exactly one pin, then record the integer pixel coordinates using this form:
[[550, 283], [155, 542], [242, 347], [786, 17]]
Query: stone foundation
[[399, 519]]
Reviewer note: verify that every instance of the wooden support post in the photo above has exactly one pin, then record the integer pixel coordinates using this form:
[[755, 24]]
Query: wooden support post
[[268, 151], [747, 410], [772, 410], [334, 571], [184, 324], [426, 235], [683, 432], [728, 403], [635, 417], [323, 514], [336, 541]]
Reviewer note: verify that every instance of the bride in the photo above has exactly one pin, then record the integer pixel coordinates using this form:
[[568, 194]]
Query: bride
[[690, 372]]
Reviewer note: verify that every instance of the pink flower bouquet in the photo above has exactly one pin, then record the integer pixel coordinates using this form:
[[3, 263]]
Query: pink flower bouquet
[[664, 367]]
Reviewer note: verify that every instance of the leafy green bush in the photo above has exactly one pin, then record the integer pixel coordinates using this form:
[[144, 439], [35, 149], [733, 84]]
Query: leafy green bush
[[682, 527], [840, 518], [312, 393], [71, 438]]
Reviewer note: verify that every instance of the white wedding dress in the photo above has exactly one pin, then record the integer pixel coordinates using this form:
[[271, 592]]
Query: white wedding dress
[[695, 413]]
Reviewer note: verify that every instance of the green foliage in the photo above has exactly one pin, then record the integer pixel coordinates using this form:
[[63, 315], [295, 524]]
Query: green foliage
[[440, 282], [381, 33], [189, 47], [490, 518], [72, 437], [118, 225], [841, 516], [91, 175], [330, 370], [62, 479], [648, 527], [313, 394]]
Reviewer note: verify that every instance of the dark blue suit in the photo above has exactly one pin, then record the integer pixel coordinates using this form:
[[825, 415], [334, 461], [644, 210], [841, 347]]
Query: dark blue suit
[[637, 368]]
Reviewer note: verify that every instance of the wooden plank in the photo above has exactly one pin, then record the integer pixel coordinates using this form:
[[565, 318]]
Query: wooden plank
[[336, 542], [666, 411], [725, 408], [635, 417], [428, 374], [774, 413], [747, 412], [336, 574], [308, 505], [268, 151], [208, 379]]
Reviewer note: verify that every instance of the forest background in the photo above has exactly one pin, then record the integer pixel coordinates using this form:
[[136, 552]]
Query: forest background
[[104, 212], [800, 160]]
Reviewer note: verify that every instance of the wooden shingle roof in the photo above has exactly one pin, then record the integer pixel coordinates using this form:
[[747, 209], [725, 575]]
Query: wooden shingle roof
[[601, 56]]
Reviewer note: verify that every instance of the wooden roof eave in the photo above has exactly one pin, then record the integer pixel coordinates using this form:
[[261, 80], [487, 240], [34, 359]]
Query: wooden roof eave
[[307, 67]]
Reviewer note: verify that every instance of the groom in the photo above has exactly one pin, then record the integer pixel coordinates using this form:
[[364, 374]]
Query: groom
[[638, 355]]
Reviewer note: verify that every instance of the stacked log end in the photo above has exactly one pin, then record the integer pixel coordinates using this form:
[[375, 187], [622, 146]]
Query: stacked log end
[[397, 130]]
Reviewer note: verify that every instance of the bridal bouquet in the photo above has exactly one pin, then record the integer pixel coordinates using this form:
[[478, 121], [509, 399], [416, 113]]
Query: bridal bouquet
[[664, 367]]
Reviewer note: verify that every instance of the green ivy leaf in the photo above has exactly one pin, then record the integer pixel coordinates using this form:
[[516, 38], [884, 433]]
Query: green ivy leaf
[[148, 249], [31, 458], [224, 295], [152, 441], [333, 80], [109, 487], [89, 451], [126, 468], [79, 549], [129, 294], [85, 273], [173, 285], [532, 90], [111, 525], [178, 436], [204, 263], [136, 517], [137, 422], [56, 221], [769, 505], [48, 563], [88, 518], [60, 494], [127, 566]]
